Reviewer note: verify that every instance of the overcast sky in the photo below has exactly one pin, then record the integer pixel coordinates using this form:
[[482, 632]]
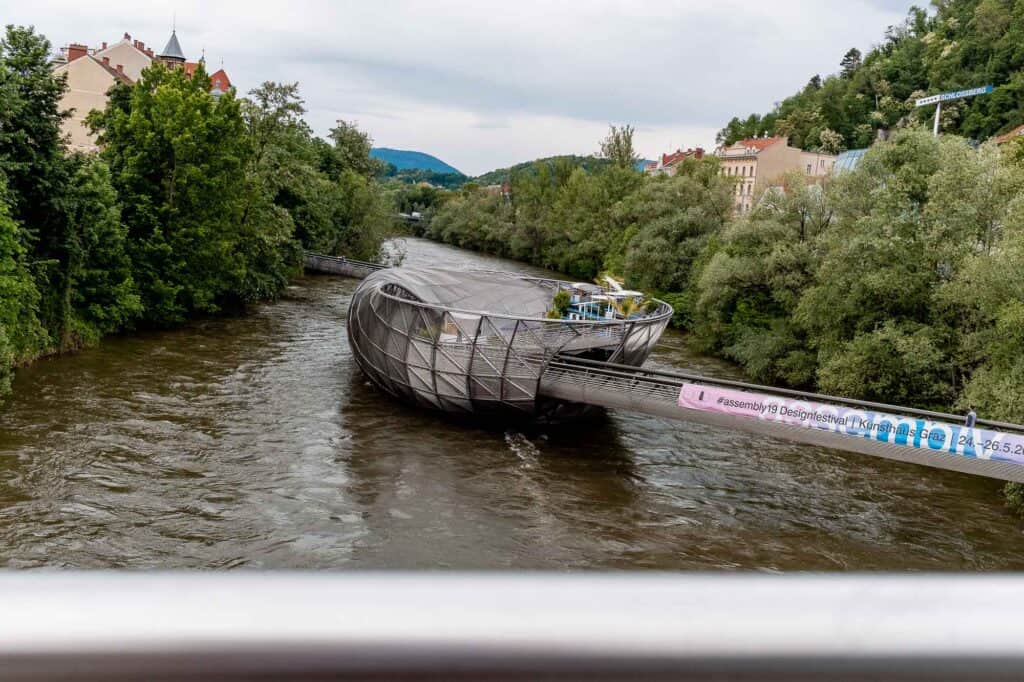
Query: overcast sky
[[485, 84]]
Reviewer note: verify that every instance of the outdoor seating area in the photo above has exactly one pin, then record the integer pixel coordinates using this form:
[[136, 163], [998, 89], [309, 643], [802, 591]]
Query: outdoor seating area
[[594, 302]]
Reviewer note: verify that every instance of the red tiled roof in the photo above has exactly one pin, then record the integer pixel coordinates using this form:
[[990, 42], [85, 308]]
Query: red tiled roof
[[669, 159], [759, 143], [190, 68], [1006, 137], [679, 155]]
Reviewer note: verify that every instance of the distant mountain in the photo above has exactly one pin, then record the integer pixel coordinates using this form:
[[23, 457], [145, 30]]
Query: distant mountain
[[403, 159], [500, 175]]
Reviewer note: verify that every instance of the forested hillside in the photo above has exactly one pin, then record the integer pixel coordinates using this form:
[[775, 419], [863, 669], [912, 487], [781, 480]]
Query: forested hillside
[[964, 43], [197, 205], [403, 159], [500, 175]]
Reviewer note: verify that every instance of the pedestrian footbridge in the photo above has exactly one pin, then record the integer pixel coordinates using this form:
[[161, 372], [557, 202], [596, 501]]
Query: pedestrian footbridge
[[934, 439]]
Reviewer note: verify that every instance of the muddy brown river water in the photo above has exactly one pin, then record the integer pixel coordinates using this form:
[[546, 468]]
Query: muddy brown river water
[[255, 442]]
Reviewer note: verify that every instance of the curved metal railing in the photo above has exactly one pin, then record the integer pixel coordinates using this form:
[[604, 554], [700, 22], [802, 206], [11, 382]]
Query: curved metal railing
[[466, 360]]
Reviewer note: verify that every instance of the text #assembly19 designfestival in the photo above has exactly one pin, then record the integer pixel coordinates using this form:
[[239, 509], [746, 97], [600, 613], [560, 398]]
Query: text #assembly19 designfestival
[[909, 432]]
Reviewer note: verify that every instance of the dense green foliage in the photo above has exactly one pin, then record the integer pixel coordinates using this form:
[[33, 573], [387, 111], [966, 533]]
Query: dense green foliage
[[415, 176], [618, 148], [965, 43], [196, 205], [503, 175]]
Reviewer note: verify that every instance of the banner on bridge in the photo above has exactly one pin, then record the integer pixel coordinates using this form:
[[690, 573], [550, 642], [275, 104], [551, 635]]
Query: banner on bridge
[[911, 432]]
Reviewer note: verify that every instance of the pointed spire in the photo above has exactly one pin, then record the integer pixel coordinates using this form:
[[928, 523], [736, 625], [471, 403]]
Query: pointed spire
[[173, 49]]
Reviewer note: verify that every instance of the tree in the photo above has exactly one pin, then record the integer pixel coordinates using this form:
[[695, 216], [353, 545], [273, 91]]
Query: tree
[[668, 223], [352, 151], [991, 19], [803, 127], [178, 157], [31, 147], [831, 142], [21, 333], [99, 289], [752, 283], [32, 157], [617, 146], [752, 126], [850, 63]]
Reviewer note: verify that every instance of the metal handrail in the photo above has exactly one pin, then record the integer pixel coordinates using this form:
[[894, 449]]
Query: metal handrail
[[668, 377], [663, 312], [343, 259]]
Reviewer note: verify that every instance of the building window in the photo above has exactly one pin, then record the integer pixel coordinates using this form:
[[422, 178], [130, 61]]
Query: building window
[[808, 169]]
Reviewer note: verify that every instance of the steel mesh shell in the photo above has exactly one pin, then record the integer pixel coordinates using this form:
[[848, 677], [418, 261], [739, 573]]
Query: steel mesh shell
[[476, 341]]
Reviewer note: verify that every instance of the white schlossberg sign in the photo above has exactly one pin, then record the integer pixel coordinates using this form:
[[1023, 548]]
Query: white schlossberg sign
[[953, 94], [911, 432]]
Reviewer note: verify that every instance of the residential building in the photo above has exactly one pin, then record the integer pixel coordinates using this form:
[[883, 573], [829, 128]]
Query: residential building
[[759, 162], [88, 78], [133, 55], [219, 82], [90, 73], [668, 163]]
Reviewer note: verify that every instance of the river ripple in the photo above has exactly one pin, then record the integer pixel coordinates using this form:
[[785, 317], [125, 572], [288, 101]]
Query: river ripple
[[256, 442]]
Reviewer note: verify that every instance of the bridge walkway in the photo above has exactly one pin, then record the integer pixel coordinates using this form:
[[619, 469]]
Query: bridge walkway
[[934, 439], [339, 265]]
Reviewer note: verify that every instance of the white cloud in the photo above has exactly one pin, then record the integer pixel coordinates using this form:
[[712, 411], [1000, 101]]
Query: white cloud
[[485, 84]]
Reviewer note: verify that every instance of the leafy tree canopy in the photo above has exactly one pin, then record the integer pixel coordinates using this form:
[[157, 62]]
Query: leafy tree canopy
[[965, 43]]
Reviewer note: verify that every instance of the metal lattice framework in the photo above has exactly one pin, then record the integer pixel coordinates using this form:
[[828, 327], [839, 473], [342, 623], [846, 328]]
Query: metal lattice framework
[[476, 341]]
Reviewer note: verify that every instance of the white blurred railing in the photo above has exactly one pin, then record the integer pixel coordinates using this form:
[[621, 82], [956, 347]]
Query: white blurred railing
[[103, 626]]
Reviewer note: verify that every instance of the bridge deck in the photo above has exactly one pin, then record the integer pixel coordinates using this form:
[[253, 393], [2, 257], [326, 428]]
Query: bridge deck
[[991, 449], [339, 265]]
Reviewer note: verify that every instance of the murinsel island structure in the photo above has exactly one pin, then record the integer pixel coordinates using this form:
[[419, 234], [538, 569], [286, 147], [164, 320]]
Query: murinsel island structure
[[504, 344], [478, 341]]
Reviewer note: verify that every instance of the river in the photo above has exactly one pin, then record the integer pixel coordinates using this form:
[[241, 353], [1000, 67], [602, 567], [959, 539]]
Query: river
[[255, 442]]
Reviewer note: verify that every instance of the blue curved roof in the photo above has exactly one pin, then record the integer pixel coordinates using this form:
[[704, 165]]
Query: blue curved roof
[[848, 160]]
